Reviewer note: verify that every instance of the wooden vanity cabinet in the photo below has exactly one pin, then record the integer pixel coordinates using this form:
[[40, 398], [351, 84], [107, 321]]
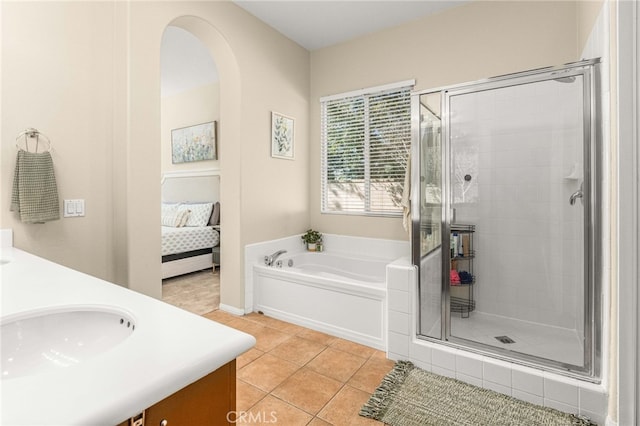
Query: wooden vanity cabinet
[[209, 401]]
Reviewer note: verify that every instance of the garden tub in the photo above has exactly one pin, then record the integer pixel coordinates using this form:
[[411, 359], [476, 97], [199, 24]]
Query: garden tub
[[338, 294]]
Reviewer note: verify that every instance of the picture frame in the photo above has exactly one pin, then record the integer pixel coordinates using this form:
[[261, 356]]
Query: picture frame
[[194, 143], [282, 136]]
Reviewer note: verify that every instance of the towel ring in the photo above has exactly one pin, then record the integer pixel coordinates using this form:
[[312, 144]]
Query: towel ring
[[30, 134]]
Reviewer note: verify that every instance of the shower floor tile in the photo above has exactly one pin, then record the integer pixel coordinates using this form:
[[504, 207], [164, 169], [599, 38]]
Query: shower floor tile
[[555, 343]]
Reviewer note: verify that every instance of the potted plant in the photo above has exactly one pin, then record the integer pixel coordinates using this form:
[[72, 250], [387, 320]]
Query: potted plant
[[312, 239]]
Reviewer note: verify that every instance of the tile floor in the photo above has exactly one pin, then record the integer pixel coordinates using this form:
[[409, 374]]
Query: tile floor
[[197, 292], [297, 376]]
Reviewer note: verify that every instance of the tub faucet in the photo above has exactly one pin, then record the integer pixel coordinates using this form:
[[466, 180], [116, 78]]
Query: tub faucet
[[268, 260]]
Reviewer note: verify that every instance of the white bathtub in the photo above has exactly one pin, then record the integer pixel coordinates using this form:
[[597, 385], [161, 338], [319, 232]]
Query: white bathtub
[[340, 295]]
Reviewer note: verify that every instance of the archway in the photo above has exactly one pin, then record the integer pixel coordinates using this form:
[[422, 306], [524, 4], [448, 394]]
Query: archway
[[231, 290]]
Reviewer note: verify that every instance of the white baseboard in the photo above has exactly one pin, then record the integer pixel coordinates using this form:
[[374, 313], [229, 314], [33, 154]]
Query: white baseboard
[[231, 309]]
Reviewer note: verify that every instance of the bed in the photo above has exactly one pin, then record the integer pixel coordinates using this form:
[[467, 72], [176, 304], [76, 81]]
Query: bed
[[190, 215]]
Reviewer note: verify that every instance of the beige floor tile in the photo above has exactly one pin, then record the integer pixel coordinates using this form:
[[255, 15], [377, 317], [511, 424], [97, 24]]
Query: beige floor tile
[[336, 364], [343, 409], [247, 395], [379, 354], [285, 327], [197, 292], [267, 372], [271, 410], [298, 350], [352, 348], [307, 390], [318, 422], [247, 357], [370, 375], [220, 316], [294, 373], [268, 338], [316, 336], [242, 324]]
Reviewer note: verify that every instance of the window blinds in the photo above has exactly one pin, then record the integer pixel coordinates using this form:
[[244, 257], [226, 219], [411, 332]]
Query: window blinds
[[366, 139]]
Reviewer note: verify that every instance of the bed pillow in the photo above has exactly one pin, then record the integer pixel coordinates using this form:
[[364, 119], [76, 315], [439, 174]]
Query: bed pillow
[[182, 218], [176, 219], [215, 215], [168, 209], [199, 215]]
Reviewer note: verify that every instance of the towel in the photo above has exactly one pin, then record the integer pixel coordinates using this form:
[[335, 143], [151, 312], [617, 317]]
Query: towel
[[405, 202], [35, 193], [465, 277], [454, 278]]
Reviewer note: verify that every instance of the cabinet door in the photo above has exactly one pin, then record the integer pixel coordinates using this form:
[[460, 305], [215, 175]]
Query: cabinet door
[[208, 401], [211, 401]]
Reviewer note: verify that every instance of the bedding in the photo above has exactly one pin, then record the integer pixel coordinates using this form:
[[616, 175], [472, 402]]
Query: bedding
[[190, 207], [199, 213], [188, 238]]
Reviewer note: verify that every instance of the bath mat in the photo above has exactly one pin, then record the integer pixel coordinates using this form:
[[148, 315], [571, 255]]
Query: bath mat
[[409, 396]]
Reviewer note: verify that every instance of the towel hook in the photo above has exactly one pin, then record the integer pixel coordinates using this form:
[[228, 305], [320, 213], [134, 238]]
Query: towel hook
[[31, 133]]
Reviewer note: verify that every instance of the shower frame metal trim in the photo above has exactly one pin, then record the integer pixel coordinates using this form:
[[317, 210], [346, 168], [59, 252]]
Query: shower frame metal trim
[[593, 187]]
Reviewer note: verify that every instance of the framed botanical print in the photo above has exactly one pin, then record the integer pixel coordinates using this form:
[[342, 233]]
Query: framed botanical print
[[282, 136]]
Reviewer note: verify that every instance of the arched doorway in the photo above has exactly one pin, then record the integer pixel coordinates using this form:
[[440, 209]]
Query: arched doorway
[[190, 184], [228, 146]]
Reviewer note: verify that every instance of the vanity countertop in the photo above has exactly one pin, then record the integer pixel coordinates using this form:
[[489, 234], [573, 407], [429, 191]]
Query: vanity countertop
[[169, 349]]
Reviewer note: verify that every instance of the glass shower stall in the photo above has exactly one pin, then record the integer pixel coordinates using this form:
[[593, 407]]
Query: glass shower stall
[[506, 217]]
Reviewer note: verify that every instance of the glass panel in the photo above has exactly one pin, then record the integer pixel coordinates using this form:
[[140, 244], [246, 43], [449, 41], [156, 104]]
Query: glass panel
[[430, 216], [516, 159]]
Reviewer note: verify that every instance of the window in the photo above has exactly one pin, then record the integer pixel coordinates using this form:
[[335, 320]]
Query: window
[[366, 140]]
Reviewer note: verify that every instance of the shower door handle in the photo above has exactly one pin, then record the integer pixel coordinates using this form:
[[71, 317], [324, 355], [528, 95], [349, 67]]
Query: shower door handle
[[575, 195]]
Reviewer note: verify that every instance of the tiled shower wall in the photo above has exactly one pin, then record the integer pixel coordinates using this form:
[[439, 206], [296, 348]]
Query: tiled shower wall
[[522, 148]]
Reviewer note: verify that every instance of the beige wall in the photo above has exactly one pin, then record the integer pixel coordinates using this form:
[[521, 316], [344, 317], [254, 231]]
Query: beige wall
[[58, 76], [586, 14], [466, 43], [193, 106], [260, 71], [87, 74]]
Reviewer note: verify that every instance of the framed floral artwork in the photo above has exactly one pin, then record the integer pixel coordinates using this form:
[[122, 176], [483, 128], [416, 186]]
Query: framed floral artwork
[[282, 136], [194, 143]]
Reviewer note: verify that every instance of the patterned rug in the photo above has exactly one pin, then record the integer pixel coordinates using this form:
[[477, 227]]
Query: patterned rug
[[409, 396]]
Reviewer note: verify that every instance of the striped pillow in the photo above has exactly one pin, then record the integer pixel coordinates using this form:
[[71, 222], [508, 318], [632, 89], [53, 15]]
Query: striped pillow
[[177, 219], [200, 213]]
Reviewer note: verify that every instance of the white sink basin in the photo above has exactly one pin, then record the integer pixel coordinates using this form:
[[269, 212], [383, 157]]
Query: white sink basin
[[4, 261], [45, 341]]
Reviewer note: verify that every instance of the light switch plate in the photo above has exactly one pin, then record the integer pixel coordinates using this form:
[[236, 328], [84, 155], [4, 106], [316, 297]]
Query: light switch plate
[[73, 208]]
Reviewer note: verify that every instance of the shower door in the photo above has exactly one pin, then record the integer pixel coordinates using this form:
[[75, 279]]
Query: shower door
[[515, 158]]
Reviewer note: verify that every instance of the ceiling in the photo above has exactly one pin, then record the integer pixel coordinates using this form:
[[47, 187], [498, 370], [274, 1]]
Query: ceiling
[[186, 63], [315, 24]]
